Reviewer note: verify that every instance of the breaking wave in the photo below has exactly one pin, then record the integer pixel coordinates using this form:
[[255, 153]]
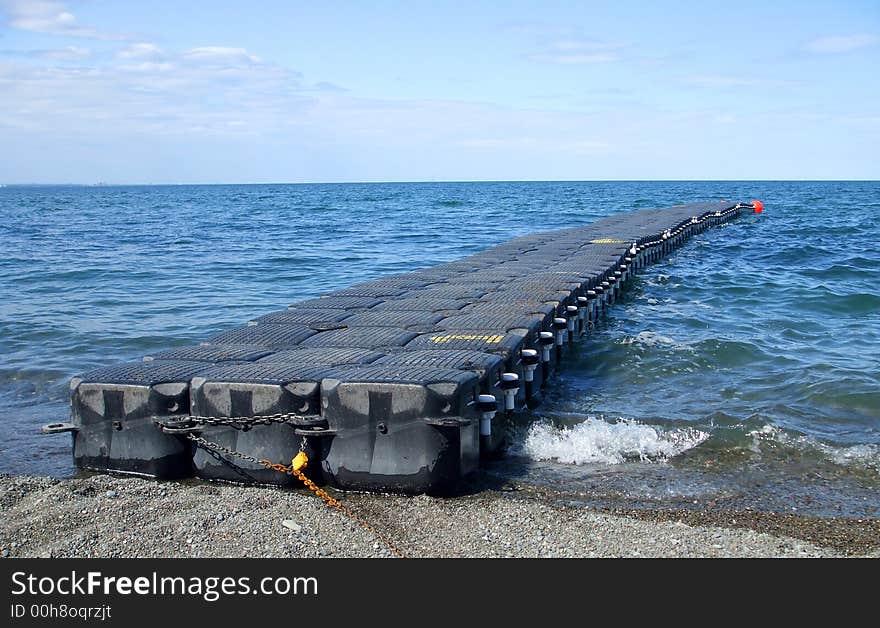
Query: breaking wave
[[598, 441]]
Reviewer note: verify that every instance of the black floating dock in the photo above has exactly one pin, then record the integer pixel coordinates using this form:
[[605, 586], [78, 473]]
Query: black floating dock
[[399, 384]]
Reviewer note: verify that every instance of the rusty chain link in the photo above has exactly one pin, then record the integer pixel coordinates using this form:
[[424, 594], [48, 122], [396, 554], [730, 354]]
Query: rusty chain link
[[298, 463]]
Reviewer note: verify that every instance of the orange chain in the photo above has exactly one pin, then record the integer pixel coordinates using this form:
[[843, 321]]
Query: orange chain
[[294, 469]]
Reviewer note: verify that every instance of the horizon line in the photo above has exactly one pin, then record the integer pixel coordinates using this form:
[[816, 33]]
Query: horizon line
[[428, 181]]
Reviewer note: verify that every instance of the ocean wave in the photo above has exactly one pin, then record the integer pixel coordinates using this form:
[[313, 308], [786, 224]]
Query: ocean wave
[[863, 455], [598, 441], [652, 339], [702, 352], [852, 304]]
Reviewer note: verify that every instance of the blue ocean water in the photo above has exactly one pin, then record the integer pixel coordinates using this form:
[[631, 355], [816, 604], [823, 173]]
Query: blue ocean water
[[742, 370]]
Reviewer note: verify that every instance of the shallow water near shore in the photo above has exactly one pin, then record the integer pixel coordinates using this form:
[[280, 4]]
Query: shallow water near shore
[[742, 371]]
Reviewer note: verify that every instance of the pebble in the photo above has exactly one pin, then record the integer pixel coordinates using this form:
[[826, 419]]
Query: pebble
[[290, 524], [485, 524]]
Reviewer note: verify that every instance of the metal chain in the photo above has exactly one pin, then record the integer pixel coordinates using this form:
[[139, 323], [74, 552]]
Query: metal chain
[[247, 421], [334, 503], [295, 471], [217, 447]]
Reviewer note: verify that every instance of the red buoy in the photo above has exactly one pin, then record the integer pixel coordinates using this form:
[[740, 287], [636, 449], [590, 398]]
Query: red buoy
[[758, 206]]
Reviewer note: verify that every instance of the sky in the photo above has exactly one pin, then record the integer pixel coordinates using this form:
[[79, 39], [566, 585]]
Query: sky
[[123, 91]]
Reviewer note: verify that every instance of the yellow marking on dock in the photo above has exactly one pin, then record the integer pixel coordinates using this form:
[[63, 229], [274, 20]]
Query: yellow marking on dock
[[487, 338], [607, 241]]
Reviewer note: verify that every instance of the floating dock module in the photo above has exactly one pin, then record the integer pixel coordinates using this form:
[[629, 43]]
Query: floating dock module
[[403, 383]]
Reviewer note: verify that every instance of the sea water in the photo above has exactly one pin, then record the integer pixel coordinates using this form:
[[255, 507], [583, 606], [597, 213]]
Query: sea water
[[741, 371]]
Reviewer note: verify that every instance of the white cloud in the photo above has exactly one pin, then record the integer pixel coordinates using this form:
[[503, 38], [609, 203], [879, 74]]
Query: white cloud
[[70, 52], [221, 55], [61, 54], [48, 16], [842, 43], [721, 81], [150, 52], [146, 89], [578, 51], [326, 86], [576, 59], [539, 144], [584, 44], [148, 66]]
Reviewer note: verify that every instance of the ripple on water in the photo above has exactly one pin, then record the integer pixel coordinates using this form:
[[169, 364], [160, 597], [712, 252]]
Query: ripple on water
[[771, 320]]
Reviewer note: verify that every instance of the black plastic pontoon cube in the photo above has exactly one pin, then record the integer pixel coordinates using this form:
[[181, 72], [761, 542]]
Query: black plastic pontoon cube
[[401, 428], [114, 410], [255, 390]]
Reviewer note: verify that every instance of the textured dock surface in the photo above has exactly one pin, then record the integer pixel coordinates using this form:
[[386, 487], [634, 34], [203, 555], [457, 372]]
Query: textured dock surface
[[381, 380]]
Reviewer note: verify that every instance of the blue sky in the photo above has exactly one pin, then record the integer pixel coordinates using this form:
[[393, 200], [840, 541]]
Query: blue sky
[[265, 91]]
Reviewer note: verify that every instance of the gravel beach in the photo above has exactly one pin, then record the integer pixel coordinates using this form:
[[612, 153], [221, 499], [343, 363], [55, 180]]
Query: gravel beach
[[106, 516]]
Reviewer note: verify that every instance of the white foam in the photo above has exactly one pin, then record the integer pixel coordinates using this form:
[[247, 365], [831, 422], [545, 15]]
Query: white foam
[[653, 339], [866, 455], [648, 338], [598, 441], [855, 455]]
